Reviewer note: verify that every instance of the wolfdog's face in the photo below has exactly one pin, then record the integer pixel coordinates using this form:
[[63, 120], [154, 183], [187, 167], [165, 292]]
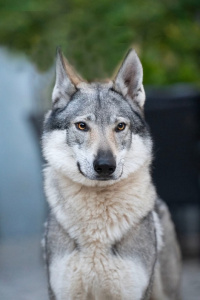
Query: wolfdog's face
[[95, 133]]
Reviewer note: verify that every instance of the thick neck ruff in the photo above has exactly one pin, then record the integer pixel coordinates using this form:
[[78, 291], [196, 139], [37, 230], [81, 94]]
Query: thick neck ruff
[[102, 215]]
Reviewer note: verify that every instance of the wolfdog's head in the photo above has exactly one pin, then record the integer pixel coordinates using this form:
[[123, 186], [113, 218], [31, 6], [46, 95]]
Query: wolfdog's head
[[96, 132]]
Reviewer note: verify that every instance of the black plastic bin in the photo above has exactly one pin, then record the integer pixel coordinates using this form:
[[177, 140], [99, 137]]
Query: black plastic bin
[[173, 114]]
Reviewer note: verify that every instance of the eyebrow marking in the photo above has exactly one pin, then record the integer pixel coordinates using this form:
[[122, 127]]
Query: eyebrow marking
[[88, 117], [121, 119]]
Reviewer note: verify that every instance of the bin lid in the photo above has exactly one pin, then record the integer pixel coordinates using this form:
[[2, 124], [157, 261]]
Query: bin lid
[[172, 96]]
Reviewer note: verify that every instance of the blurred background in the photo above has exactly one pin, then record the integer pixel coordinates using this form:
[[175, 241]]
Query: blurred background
[[95, 36]]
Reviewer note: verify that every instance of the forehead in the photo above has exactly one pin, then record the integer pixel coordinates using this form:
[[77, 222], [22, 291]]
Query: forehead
[[98, 100]]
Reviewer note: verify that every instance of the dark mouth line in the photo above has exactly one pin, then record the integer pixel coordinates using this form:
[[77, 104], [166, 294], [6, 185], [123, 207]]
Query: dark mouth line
[[79, 168], [104, 178]]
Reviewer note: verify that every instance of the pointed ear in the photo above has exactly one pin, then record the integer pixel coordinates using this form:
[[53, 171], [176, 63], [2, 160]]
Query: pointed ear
[[129, 78], [66, 81]]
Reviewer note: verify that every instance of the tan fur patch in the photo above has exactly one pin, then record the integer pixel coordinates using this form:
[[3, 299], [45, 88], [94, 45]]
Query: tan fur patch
[[74, 77]]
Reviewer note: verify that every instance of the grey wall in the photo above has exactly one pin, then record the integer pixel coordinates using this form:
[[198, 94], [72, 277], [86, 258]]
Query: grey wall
[[22, 204]]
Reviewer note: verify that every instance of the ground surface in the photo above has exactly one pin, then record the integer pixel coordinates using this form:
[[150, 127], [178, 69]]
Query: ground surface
[[23, 276]]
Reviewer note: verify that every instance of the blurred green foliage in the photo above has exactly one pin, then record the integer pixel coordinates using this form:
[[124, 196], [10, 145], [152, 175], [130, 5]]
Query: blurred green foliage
[[95, 35]]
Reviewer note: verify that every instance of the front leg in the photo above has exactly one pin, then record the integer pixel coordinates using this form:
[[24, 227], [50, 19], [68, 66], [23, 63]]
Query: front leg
[[57, 243], [140, 246]]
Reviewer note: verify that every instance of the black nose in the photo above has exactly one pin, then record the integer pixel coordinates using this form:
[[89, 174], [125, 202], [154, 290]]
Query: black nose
[[105, 163]]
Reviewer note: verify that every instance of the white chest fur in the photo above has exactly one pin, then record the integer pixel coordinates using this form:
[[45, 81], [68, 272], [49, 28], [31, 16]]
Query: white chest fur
[[79, 276], [98, 217]]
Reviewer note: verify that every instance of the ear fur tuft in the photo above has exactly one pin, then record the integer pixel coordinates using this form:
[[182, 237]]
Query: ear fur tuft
[[129, 79], [66, 81]]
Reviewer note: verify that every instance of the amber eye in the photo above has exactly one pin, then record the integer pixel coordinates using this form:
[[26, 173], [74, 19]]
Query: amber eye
[[81, 126], [120, 127]]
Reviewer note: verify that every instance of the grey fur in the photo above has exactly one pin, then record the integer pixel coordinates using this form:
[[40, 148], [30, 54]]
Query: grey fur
[[103, 102], [102, 107]]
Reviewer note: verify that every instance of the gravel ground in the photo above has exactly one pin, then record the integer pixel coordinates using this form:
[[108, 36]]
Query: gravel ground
[[23, 276]]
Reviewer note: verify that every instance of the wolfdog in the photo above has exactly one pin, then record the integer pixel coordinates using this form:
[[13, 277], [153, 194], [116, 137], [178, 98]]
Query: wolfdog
[[108, 236]]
